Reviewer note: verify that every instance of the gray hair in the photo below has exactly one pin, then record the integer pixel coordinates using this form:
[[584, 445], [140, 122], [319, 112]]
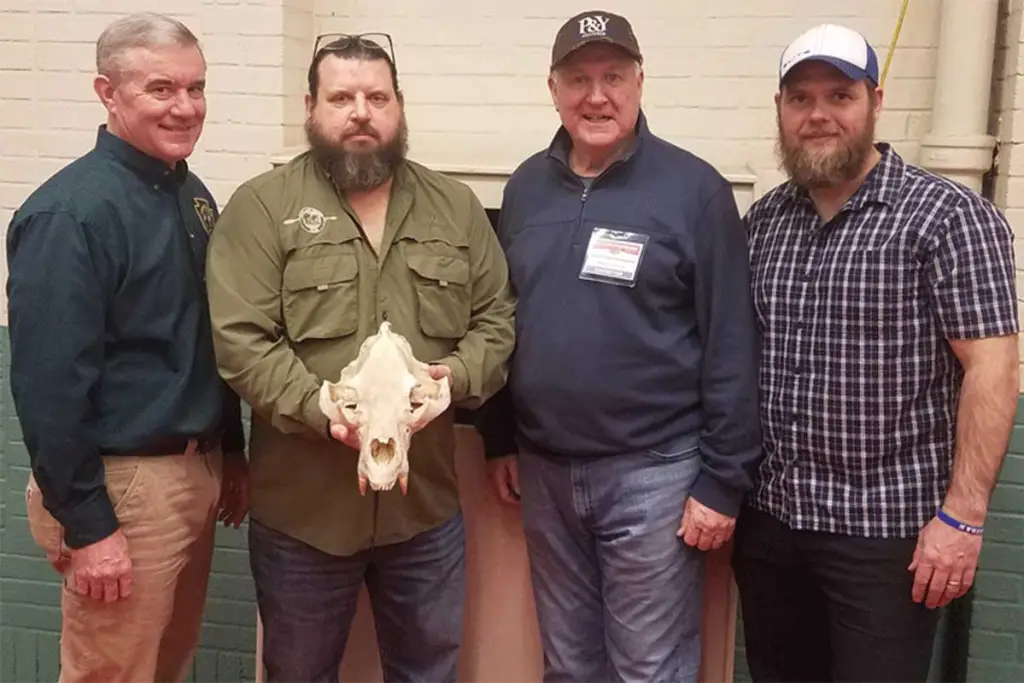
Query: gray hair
[[143, 29]]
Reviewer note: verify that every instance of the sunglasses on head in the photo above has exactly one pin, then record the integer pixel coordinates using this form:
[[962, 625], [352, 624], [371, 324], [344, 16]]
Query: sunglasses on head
[[336, 42]]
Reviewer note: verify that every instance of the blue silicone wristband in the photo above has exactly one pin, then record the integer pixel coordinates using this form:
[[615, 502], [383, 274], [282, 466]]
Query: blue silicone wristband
[[960, 526]]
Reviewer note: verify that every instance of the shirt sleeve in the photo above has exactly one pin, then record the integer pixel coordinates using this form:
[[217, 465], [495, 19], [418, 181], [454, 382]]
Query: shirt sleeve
[[232, 433], [57, 312], [971, 273], [231, 430], [479, 362], [243, 277], [495, 420], [730, 443]]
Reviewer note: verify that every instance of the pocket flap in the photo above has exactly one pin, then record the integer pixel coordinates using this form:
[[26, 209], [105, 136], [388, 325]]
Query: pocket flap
[[435, 232], [439, 267], [319, 271]]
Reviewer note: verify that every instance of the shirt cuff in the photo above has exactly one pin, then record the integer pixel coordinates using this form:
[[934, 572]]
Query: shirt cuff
[[713, 494], [90, 521], [314, 417]]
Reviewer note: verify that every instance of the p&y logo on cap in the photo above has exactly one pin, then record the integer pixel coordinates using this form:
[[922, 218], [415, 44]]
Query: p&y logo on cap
[[593, 25]]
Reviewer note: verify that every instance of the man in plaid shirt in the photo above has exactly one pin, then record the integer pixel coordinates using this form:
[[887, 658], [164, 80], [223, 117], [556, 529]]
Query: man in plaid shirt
[[885, 297]]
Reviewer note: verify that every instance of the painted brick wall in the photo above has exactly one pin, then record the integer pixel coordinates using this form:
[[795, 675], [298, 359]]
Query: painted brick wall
[[48, 116], [3, 502], [49, 112], [474, 76], [1007, 123], [996, 644], [474, 73], [30, 589]]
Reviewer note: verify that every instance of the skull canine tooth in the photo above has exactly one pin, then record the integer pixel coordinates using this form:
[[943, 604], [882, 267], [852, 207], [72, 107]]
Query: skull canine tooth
[[387, 392]]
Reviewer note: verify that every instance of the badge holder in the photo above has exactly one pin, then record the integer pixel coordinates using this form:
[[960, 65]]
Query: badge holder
[[613, 257]]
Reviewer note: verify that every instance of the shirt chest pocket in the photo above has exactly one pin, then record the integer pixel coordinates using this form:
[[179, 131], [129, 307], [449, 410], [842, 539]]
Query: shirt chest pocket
[[320, 297], [440, 274]]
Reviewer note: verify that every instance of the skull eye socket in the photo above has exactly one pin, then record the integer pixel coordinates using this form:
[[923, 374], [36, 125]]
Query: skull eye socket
[[350, 411]]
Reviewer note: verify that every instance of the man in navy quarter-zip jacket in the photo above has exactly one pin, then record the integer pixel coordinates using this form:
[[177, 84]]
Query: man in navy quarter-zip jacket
[[629, 431]]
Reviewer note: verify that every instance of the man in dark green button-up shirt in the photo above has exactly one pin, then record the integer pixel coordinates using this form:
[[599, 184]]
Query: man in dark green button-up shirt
[[124, 415], [306, 262]]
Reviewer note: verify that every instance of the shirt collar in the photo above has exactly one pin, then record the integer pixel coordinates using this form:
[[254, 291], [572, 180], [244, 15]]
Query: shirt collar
[[881, 186], [561, 143], [149, 167]]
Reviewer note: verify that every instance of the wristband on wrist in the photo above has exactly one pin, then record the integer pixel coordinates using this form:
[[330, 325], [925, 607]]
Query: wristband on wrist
[[958, 525]]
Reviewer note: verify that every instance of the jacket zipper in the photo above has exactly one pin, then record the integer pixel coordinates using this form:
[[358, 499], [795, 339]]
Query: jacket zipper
[[586, 193], [583, 206]]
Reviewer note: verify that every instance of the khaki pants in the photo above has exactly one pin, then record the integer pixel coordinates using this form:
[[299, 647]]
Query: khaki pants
[[167, 508]]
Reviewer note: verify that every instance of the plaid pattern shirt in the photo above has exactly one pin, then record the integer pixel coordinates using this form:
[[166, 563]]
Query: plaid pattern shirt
[[859, 385]]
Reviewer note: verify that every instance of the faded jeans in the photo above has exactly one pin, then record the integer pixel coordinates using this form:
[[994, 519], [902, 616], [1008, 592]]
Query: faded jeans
[[307, 600], [618, 594]]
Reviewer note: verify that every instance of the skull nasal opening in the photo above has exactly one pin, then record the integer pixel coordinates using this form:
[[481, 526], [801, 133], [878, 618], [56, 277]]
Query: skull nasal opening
[[382, 451]]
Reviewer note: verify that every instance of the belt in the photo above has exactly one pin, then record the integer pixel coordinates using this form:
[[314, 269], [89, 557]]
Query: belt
[[176, 445]]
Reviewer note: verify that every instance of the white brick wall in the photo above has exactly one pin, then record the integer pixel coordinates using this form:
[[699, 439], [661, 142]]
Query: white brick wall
[[474, 75], [49, 114], [474, 72]]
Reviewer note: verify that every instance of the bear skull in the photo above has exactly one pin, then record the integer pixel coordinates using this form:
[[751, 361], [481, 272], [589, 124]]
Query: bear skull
[[384, 396]]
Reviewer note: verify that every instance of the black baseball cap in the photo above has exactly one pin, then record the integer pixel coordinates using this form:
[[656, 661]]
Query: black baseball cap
[[594, 26]]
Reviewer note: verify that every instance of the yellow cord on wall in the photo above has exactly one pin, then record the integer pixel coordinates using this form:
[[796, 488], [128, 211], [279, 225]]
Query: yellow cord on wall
[[892, 45]]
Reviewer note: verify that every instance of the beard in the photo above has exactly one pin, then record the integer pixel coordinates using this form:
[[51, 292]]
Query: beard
[[817, 169], [358, 170]]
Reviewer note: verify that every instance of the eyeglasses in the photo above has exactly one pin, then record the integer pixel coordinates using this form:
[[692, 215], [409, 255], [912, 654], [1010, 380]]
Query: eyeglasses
[[337, 42]]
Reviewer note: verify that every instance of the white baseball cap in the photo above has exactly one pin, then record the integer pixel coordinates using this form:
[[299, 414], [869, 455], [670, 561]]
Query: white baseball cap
[[843, 48]]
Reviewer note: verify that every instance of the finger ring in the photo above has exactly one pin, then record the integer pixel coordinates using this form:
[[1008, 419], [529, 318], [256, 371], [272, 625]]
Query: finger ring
[[953, 583]]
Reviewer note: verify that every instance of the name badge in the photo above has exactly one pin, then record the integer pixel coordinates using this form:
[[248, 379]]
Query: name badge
[[613, 257]]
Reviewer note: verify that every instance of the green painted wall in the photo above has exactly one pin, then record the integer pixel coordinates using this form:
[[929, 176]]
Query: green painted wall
[[996, 643], [30, 591]]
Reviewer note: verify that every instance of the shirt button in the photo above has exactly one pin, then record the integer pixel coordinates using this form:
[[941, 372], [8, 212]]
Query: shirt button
[[384, 315]]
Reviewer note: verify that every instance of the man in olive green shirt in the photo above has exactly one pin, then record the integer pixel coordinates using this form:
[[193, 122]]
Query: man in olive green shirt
[[307, 260]]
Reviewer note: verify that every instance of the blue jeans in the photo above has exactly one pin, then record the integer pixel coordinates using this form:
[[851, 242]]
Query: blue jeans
[[307, 600], [619, 595]]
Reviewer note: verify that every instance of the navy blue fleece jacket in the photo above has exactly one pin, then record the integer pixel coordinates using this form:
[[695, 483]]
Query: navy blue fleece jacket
[[664, 367]]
